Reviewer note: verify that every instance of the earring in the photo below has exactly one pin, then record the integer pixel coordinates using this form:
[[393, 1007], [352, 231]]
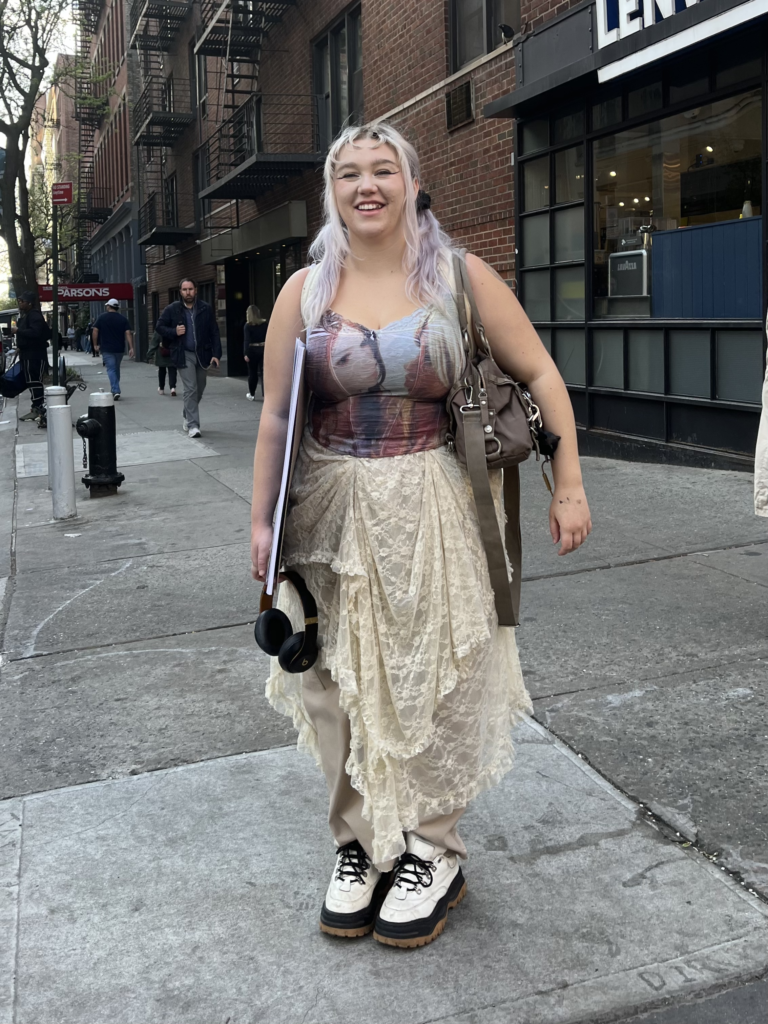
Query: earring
[[423, 201]]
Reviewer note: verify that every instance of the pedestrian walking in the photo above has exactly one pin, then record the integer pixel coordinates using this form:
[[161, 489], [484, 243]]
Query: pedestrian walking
[[410, 704], [69, 339], [32, 337], [254, 337], [191, 332], [160, 355], [110, 334]]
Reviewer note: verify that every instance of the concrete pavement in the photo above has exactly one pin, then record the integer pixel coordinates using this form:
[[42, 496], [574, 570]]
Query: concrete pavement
[[163, 851]]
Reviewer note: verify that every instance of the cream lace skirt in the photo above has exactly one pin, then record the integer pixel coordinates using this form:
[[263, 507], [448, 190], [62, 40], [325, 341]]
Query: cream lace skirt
[[391, 550]]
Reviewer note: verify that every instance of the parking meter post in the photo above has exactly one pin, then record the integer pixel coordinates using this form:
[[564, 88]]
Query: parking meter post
[[99, 428], [61, 458]]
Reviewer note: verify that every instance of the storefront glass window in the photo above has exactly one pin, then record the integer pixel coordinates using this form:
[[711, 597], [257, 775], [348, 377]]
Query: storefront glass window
[[606, 112], [689, 363], [569, 293], [535, 239], [608, 359], [569, 175], [569, 234], [534, 135], [569, 356], [671, 198], [545, 334], [739, 366], [536, 184], [646, 361], [568, 126], [644, 99], [536, 294]]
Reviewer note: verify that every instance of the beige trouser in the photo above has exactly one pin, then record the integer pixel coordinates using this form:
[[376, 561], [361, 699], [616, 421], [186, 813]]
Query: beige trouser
[[345, 815]]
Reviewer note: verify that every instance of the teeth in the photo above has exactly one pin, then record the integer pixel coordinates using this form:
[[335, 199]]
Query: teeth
[[369, 206]]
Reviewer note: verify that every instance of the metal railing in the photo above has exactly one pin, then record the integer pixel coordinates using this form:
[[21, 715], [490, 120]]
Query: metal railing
[[275, 126], [153, 24], [163, 111]]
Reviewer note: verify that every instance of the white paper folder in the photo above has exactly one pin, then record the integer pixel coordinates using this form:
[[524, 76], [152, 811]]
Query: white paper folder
[[292, 442]]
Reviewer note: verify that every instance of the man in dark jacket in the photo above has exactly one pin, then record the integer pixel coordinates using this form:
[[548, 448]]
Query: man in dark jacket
[[190, 331], [32, 334]]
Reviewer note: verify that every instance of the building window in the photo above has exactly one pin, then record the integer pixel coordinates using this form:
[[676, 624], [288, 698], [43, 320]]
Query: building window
[[338, 76], [671, 198], [646, 284], [171, 201], [476, 27]]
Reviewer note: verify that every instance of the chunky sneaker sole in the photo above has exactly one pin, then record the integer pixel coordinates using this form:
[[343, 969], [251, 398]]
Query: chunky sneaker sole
[[354, 926], [410, 934]]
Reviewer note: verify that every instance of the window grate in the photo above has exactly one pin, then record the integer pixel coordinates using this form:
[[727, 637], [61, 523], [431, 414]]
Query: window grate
[[458, 106]]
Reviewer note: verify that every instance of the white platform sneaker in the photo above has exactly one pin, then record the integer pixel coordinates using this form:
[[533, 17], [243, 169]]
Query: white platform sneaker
[[354, 894], [427, 884]]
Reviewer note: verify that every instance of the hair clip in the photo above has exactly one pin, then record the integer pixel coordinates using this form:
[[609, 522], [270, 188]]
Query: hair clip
[[423, 201]]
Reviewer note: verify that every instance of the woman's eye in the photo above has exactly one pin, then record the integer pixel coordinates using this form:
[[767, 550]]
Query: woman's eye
[[349, 174]]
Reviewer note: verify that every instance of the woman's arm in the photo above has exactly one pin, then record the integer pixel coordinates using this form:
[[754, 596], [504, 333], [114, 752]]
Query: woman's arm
[[285, 325], [520, 353]]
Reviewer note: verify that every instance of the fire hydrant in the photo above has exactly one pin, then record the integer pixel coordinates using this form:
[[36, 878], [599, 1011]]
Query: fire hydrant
[[98, 428]]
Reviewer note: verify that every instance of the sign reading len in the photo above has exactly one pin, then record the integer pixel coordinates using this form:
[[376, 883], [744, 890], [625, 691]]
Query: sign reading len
[[61, 193], [617, 19]]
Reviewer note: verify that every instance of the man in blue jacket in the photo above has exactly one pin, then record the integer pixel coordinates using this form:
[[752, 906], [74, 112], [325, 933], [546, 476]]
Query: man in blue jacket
[[190, 331]]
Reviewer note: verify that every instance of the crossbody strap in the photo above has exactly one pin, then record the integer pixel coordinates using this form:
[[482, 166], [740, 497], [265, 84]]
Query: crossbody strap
[[507, 596]]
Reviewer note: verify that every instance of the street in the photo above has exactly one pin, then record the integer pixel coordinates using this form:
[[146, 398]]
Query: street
[[163, 845]]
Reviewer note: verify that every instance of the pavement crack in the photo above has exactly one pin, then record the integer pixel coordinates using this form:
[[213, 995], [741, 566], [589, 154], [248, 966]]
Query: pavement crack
[[640, 877], [535, 577], [29, 650], [585, 840]]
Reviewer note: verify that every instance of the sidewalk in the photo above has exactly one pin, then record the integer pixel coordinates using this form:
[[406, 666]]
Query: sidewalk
[[163, 846]]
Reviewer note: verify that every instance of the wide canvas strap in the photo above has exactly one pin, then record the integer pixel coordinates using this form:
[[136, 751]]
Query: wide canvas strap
[[507, 609], [507, 596]]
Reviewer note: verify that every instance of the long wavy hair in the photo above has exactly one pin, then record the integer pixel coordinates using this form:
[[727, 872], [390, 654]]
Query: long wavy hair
[[427, 247], [253, 316]]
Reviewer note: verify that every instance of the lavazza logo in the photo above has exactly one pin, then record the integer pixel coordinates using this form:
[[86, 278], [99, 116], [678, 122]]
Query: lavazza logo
[[627, 265], [79, 292]]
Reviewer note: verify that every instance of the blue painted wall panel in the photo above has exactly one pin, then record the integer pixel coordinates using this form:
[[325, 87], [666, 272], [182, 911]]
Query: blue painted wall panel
[[712, 271]]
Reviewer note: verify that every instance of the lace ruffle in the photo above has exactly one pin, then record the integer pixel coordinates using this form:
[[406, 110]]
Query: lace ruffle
[[391, 550]]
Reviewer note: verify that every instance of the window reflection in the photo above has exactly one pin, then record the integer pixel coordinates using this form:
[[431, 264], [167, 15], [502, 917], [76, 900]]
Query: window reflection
[[699, 169]]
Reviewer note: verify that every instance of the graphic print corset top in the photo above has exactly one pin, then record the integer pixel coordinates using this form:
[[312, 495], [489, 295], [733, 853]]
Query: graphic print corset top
[[381, 393]]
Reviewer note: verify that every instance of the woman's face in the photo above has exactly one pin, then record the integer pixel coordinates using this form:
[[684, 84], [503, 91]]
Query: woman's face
[[370, 190]]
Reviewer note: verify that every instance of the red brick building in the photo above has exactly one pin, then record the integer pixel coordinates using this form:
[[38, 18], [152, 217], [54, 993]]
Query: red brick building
[[517, 108]]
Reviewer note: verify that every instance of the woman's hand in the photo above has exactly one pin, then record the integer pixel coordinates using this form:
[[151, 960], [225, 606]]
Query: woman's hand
[[246, 359], [261, 545], [569, 518]]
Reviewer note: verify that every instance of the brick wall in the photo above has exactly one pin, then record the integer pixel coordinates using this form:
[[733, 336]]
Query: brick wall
[[467, 171]]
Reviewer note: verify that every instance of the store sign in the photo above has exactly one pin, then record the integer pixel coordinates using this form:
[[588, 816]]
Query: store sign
[[85, 292], [617, 19]]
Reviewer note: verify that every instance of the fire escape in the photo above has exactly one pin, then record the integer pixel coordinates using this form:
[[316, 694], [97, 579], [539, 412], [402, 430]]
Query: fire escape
[[262, 139], [91, 206], [161, 115]]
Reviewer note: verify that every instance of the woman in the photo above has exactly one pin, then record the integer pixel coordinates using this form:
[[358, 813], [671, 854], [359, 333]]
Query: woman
[[254, 336], [163, 363], [410, 705]]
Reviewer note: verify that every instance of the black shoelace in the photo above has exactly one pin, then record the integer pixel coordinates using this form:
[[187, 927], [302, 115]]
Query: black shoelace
[[412, 872], [353, 863]]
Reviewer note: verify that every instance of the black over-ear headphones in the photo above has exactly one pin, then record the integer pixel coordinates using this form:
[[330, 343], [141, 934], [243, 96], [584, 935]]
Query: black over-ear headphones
[[296, 652]]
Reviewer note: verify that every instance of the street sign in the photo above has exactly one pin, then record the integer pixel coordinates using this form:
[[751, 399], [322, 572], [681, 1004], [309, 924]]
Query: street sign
[[61, 193], [85, 292]]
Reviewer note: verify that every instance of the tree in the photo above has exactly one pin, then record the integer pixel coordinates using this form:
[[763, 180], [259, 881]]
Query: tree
[[29, 31]]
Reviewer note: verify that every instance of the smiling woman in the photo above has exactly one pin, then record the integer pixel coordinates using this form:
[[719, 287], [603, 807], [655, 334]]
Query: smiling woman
[[410, 705]]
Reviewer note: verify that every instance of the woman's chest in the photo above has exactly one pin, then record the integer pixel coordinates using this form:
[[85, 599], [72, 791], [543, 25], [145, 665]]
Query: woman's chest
[[417, 357]]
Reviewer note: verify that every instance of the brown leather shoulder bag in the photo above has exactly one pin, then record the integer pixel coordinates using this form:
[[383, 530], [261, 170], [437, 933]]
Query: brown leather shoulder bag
[[494, 425]]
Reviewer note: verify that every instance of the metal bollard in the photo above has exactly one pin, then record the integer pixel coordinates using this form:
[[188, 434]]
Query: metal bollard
[[61, 459], [98, 427]]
